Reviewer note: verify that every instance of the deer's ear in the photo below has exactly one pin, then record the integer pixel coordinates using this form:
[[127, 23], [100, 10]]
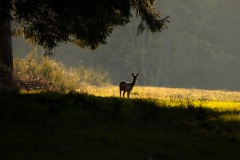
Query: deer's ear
[[132, 74], [137, 74]]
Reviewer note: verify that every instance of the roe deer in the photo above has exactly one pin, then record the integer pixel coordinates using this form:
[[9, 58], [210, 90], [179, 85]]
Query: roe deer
[[127, 86]]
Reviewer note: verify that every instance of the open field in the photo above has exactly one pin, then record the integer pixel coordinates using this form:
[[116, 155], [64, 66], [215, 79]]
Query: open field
[[156, 123], [163, 93], [217, 99]]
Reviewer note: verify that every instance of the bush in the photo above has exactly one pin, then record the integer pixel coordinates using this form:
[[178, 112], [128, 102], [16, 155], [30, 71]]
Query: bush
[[93, 76], [46, 73]]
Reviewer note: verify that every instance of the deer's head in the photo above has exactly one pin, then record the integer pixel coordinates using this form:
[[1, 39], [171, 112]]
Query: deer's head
[[134, 77]]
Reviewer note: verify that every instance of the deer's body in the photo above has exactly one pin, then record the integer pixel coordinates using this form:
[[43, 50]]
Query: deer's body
[[127, 86]]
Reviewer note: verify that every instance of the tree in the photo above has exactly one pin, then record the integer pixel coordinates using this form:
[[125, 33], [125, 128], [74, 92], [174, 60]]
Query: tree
[[85, 23]]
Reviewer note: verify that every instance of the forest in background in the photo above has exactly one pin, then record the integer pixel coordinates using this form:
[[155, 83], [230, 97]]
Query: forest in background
[[198, 50]]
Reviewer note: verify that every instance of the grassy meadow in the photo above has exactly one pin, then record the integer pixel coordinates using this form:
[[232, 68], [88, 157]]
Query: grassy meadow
[[94, 123], [214, 99], [50, 115]]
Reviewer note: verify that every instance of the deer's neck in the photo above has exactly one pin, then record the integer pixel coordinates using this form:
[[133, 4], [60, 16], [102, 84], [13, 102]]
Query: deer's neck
[[133, 82]]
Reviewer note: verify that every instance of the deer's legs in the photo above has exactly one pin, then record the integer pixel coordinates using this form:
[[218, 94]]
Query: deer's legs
[[123, 93], [128, 94]]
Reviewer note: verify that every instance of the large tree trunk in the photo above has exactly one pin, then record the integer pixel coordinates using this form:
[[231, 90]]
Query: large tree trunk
[[6, 57]]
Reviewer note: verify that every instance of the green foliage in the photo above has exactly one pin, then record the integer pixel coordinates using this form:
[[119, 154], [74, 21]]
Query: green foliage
[[85, 23], [57, 76]]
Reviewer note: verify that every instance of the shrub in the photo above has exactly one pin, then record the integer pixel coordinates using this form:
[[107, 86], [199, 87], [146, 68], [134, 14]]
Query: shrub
[[53, 75]]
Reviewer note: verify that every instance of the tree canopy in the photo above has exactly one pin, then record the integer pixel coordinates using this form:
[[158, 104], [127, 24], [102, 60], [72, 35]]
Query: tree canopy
[[85, 23]]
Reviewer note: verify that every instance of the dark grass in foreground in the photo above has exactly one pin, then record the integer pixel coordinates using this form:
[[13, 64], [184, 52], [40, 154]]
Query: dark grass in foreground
[[78, 126]]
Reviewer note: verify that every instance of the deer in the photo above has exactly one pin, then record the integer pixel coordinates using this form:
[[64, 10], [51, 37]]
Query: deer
[[127, 86]]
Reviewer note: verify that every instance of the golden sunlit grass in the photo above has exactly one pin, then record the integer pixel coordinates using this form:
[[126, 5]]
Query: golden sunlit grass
[[220, 100]]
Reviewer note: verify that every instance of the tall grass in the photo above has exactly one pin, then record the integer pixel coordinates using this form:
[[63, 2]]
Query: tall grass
[[46, 73]]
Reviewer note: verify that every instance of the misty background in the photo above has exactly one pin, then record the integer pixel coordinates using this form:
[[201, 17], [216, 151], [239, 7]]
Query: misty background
[[200, 49]]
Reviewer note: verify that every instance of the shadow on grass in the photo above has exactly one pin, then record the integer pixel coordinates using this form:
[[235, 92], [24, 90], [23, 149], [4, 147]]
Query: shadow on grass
[[80, 126]]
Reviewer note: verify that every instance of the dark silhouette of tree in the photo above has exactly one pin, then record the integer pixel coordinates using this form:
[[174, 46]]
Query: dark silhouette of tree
[[85, 23]]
